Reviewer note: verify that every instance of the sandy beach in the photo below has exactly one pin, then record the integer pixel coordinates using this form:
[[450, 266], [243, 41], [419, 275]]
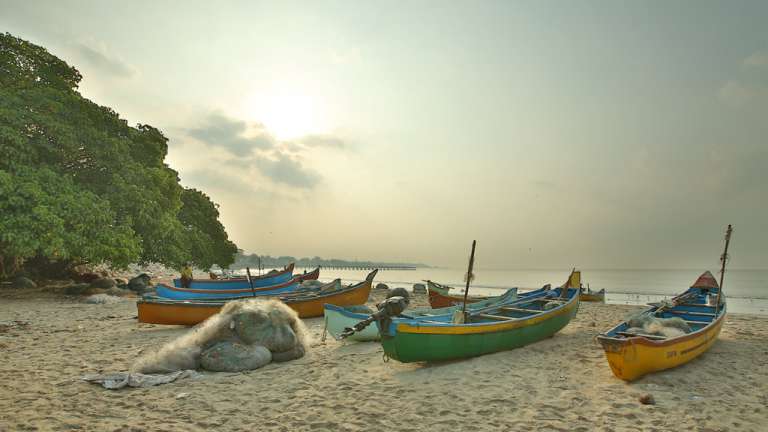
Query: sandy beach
[[49, 341]]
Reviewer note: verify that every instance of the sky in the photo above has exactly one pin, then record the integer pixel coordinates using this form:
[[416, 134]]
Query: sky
[[558, 134]]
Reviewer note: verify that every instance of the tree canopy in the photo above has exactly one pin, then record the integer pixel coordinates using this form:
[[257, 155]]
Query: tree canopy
[[80, 185]]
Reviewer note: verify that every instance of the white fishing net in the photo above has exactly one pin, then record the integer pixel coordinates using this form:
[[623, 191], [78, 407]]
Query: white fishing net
[[246, 334], [645, 323]]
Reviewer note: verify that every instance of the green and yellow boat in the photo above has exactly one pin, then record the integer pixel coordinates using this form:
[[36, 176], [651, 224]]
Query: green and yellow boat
[[483, 331]]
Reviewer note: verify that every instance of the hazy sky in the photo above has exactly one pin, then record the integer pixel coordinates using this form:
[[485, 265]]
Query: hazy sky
[[598, 134]]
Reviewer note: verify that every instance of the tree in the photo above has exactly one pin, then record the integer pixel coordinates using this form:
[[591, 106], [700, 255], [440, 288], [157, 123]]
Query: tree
[[50, 134]]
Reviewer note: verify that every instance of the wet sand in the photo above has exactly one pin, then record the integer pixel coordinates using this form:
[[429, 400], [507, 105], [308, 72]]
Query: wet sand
[[559, 384]]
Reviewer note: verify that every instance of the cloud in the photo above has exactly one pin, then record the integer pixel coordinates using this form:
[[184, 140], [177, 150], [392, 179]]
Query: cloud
[[101, 59], [284, 169], [758, 59], [230, 134], [216, 178], [322, 140], [734, 93]]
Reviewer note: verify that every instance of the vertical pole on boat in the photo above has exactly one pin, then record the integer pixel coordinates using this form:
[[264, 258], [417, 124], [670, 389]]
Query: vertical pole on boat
[[250, 282], [723, 259], [470, 276], [564, 291]]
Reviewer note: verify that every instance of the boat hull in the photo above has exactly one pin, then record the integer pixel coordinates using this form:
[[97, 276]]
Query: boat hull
[[593, 296], [633, 358], [440, 298], [242, 283], [414, 342], [337, 320], [174, 293]]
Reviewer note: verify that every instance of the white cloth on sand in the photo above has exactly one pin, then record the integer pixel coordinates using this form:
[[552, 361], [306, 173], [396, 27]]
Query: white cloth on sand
[[119, 380]]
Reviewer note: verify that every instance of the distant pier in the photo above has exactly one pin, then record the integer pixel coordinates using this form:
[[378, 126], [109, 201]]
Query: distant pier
[[364, 267]]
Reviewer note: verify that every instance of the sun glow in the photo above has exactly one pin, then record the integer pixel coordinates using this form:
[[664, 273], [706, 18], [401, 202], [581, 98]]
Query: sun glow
[[286, 116]]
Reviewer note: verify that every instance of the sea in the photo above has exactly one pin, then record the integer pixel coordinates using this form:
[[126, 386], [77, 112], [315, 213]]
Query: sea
[[746, 290]]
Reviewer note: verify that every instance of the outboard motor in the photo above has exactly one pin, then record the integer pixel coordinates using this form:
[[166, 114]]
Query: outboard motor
[[389, 308]]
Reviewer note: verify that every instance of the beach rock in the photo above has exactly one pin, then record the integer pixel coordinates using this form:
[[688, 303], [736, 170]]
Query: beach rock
[[103, 283], [234, 357], [119, 292], [23, 283], [140, 283], [103, 299], [647, 399], [419, 288], [399, 292], [121, 282], [77, 289], [381, 286]]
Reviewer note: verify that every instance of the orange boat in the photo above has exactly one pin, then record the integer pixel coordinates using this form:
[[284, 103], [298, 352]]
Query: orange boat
[[307, 305], [440, 298]]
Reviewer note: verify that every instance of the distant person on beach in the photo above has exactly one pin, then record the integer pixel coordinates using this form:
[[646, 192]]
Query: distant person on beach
[[186, 275], [212, 276]]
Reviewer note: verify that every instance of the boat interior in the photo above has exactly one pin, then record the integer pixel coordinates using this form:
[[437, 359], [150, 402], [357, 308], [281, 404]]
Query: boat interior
[[696, 307], [525, 306]]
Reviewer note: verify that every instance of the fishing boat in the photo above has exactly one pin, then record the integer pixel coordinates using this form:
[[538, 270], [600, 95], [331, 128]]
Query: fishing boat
[[587, 295], [310, 304], [487, 330], [274, 277], [175, 293], [339, 318], [440, 297], [632, 355], [632, 351]]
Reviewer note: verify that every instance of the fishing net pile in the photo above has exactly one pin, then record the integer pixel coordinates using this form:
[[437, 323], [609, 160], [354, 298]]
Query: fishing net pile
[[245, 335], [646, 323]]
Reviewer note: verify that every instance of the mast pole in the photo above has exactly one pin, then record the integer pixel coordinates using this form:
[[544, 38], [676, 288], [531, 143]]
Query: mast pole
[[723, 259], [469, 277]]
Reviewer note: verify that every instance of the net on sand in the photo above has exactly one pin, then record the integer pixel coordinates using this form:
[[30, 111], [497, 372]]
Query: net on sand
[[246, 334]]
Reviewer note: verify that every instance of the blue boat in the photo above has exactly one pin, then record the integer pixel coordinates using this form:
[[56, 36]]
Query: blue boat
[[269, 279], [174, 293]]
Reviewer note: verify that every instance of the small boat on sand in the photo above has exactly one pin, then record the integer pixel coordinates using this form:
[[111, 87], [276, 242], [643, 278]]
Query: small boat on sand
[[176, 293], [307, 304], [632, 350], [487, 330], [670, 333], [274, 277], [440, 296], [587, 295]]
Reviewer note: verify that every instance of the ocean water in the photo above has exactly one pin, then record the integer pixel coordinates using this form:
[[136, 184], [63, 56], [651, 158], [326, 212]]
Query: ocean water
[[746, 290]]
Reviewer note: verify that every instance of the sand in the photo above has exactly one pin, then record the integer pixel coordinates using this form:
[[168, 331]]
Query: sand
[[560, 384]]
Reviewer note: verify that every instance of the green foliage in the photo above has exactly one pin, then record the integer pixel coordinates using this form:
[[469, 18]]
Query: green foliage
[[79, 183], [200, 219]]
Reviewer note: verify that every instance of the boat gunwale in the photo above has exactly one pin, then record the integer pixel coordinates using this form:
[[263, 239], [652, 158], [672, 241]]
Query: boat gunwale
[[488, 327], [640, 340]]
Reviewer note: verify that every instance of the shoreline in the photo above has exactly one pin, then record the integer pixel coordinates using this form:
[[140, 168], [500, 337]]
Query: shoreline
[[561, 383]]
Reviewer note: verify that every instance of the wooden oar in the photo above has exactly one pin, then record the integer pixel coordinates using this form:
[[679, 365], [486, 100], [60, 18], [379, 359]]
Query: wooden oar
[[250, 282], [469, 279], [723, 259]]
